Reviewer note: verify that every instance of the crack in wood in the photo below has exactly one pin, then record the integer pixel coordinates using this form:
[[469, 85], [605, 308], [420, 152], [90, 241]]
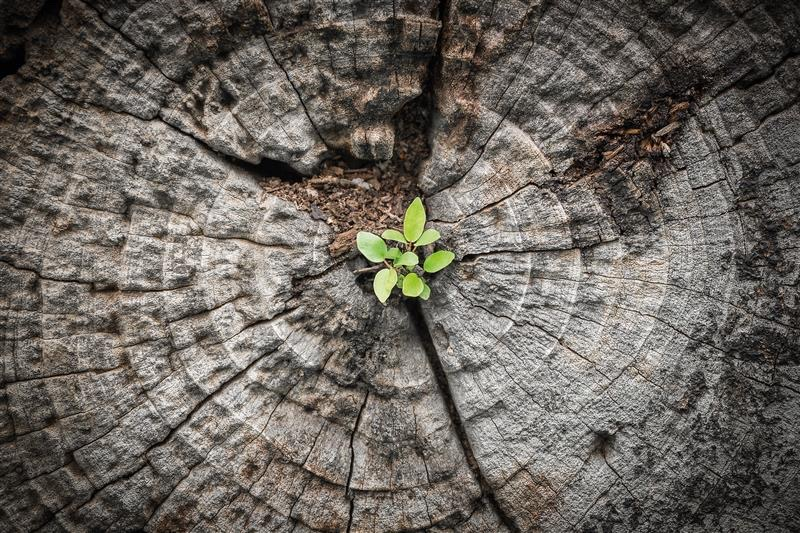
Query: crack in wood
[[439, 374], [348, 491]]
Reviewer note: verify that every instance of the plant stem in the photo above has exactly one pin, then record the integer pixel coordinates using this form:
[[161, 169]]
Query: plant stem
[[373, 268]]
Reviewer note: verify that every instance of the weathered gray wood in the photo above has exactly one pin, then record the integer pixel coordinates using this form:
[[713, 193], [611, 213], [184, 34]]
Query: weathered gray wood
[[616, 349], [623, 341]]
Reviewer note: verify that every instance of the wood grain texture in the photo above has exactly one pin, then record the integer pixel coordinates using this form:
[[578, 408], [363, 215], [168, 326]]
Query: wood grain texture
[[615, 350]]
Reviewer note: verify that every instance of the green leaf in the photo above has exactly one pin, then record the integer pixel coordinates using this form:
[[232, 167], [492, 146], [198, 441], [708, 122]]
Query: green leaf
[[407, 259], [428, 236], [426, 291], [414, 221], [383, 283], [399, 283], [371, 246], [393, 235], [394, 254], [438, 260], [413, 285]]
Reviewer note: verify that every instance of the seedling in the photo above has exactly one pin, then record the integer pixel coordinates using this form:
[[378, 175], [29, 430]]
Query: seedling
[[401, 267]]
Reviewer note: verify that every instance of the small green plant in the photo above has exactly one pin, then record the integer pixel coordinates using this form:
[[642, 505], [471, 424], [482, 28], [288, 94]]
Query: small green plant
[[400, 263]]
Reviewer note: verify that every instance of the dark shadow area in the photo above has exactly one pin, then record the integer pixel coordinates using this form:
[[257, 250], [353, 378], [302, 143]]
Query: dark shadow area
[[269, 168], [18, 25], [12, 60]]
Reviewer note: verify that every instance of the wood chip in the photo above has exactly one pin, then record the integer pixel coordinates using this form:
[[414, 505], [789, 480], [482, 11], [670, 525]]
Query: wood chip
[[680, 106], [666, 130], [612, 153]]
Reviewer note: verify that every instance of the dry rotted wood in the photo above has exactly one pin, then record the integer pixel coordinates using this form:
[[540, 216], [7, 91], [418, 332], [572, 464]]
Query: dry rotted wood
[[616, 349]]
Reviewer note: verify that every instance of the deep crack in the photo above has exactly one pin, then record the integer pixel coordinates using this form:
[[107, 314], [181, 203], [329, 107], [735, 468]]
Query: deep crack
[[417, 317], [348, 491], [487, 492]]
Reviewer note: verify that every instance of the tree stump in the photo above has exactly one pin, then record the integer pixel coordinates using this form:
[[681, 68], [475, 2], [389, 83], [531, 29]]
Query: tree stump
[[617, 347]]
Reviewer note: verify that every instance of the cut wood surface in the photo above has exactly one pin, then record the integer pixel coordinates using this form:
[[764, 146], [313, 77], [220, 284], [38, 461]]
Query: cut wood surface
[[617, 347]]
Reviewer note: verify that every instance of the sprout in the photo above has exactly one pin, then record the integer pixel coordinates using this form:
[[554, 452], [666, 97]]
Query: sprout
[[402, 262]]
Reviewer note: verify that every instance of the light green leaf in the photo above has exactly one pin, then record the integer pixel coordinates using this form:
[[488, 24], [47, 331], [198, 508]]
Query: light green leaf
[[414, 221], [428, 236], [412, 285], [393, 253], [371, 246], [393, 235], [438, 260], [383, 283], [407, 259], [426, 292], [399, 283]]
